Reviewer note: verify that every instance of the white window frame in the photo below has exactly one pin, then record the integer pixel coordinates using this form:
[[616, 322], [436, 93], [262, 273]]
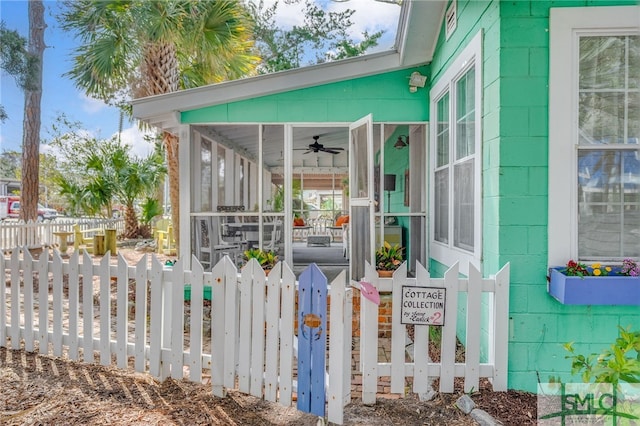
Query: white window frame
[[566, 25], [448, 253]]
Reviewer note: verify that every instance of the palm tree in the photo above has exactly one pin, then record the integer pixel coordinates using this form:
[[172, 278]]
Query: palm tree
[[138, 177], [112, 175], [136, 48], [116, 176]]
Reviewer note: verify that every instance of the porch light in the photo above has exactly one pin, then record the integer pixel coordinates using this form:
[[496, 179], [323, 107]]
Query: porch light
[[401, 143], [416, 80]]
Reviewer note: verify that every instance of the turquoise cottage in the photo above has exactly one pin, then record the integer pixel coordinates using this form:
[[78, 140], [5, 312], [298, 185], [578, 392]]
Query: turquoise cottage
[[494, 132]]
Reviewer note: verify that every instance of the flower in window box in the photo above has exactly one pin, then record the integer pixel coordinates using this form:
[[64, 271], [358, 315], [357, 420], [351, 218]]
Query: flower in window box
[[579, 284], [579, 269], [630, 268], [598, 270]]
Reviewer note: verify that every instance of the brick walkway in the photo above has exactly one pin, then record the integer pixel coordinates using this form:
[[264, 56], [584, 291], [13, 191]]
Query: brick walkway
[[384, 382]]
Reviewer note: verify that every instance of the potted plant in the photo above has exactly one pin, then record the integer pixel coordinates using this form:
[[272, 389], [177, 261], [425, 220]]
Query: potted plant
[[596, 284], [388, 259], [266, 258]]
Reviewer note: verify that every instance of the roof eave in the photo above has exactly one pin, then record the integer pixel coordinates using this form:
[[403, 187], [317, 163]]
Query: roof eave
[[416, 38], [418, 30], [146, 109]]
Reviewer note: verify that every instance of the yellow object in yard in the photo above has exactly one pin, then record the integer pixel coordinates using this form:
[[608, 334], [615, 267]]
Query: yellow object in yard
[[163, 234], [83, 238]]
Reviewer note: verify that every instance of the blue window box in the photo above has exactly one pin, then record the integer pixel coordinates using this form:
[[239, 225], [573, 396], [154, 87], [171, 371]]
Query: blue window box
[[603, 290]]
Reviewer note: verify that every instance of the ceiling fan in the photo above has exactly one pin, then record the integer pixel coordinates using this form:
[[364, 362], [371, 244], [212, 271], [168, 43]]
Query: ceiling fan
[[318, 147]]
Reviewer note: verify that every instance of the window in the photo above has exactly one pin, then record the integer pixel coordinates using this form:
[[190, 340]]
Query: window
[[594, 134], [455, 106]]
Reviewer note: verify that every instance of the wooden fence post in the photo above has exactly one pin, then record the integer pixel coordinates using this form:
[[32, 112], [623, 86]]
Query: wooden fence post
[[110, 240]]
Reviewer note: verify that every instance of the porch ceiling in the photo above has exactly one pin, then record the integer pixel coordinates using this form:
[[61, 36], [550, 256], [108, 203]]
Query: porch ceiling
[[244, 139]]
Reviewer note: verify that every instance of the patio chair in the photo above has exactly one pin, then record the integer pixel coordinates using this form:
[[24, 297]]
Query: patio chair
[[163, 235], [209, 252], [275, 228], [83, 238]]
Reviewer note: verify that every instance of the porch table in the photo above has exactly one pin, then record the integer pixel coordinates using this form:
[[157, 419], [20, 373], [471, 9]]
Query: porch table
[[319, 240], [250, 230], [63, 236]]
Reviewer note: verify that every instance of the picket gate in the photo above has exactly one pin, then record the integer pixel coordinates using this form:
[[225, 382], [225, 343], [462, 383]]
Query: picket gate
[[422, 370]]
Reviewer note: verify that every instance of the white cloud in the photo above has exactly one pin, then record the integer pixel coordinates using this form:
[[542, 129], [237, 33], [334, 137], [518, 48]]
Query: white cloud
[[55, 151], [288, 14], [91, 105], [134, 137], [49, 150], [369, 15]]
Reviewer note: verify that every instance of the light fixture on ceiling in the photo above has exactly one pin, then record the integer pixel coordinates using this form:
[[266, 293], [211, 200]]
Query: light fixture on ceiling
[[416, 80], [401, 143]]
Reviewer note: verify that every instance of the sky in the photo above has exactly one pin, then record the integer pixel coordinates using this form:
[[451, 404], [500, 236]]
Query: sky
[[61, 96]]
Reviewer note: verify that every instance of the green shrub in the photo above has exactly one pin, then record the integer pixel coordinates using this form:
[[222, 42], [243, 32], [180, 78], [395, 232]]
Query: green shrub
[[619, 363]]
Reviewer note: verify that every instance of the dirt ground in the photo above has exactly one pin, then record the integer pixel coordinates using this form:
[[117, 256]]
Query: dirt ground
[[46, 390], [38, 389]]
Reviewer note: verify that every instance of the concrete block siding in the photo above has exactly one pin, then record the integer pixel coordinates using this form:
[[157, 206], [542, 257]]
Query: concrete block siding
[[515, 208]]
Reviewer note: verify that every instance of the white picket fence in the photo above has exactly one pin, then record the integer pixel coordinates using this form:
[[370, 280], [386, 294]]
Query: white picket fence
[[41, 234], [252, 338], [422, 369]]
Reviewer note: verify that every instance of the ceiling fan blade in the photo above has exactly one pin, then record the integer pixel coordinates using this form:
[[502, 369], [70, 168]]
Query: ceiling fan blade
[[307, 152], [331, 151], [335, 148]]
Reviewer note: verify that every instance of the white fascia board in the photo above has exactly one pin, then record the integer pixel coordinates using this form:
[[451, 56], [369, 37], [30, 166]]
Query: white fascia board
[[418, 31], [149, 108], [168, 122]]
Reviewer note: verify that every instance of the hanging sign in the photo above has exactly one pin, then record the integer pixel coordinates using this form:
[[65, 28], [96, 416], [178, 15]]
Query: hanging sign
[[423, 305]]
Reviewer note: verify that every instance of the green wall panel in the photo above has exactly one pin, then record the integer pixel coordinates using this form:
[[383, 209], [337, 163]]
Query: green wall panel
[[538, 61], [523, 158], [385, 95], [523, 151], [519, 91]]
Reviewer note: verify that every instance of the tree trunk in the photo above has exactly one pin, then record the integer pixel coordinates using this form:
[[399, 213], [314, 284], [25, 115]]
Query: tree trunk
[[130, 222], [171, 145], [160, 68], [31, 120]]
